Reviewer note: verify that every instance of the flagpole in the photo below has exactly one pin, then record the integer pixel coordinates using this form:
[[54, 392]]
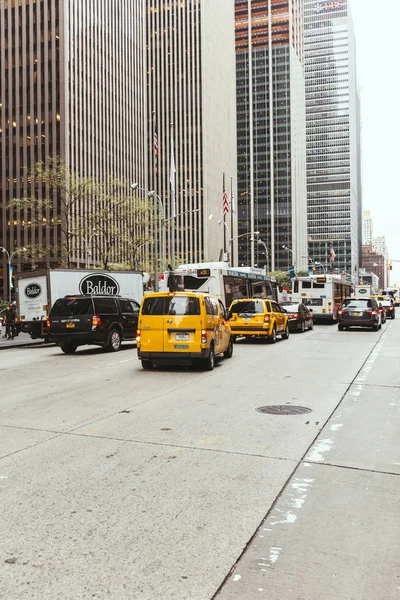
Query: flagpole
[[173, 209], [232, 236], [155, 156], [223, 209]]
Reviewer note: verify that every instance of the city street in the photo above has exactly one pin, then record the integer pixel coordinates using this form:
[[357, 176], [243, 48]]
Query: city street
[[123, 484]]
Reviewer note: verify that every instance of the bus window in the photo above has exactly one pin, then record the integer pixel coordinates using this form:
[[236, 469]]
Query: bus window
[[318, 285], [306, 285], [296, 287], [258, 289]]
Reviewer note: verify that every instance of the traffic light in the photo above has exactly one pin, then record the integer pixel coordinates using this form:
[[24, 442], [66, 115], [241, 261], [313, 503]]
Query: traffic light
[[314, 270], [390, 266]]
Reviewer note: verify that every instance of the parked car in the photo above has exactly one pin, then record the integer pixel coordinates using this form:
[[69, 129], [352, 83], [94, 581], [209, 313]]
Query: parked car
[[100, 320], [389, 309], [257, 317], [300, 316], [183, 328], [359, 312]]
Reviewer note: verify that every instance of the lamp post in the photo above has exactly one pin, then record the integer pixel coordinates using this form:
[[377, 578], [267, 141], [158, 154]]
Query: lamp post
[[135, 258], [262, 243], [289, 249], [319, 264], [157, 199], [9, 260], [221, 222], [88, 243]]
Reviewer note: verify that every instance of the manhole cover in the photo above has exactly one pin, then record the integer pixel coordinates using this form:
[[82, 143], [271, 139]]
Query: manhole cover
[[283, 409]]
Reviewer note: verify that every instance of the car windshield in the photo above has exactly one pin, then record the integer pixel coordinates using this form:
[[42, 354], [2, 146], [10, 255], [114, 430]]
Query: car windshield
[[357, 303], [72, 306], [247, 306], [386, 303]]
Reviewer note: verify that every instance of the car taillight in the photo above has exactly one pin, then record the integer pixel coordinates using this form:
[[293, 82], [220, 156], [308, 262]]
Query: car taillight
[[390, 308], [47, 321], [203, 336], [370, 312], [293, 316], [138, 336], [267, 318], [96, 321], [341, 312]]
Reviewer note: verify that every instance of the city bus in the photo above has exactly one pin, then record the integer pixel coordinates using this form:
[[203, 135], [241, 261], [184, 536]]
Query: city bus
[[323, 294], [228, 283]]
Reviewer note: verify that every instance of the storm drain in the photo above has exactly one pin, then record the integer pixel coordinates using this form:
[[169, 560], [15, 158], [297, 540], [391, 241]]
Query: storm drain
[[283, 409]]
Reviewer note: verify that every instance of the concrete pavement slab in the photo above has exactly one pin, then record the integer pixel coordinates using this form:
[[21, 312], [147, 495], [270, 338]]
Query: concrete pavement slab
[[14, 439], [333, 534], [89, 518], [364, 431]]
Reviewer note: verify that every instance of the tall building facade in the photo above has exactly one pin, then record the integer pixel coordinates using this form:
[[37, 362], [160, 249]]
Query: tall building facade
[[87, 81], [367, 228], [72, 78], [190, 65], [271, 133], [333, 136]]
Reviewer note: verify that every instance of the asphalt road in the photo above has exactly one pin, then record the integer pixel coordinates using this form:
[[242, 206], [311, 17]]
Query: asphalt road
[[123, 484]]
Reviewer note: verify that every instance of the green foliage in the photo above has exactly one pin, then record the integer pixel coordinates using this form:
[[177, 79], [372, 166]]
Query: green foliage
[[282, 278], [302, 274]]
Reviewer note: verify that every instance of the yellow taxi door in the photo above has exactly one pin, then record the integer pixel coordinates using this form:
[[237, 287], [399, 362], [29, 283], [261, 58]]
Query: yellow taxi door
[[151, 324], [182, 324], [225, 327]]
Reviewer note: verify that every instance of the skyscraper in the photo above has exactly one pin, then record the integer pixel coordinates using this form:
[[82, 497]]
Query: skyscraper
[[333, 130], [87, 81], [271, 132], [367, 228], [72, 82], [190, 64]]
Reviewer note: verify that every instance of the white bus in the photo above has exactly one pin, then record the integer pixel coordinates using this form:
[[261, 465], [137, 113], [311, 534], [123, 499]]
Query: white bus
[[322, 294], [228, 283]]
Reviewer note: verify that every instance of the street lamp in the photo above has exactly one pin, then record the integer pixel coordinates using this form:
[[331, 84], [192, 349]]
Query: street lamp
[[319, 264], [88, 243], [221, 222], [262, 243], [157, 199], [293, 254], [135, 258], [9, 260]]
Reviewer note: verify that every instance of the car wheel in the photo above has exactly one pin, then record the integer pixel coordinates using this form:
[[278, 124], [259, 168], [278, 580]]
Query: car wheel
[[229, 351], [340, 327], [233, 338], [375, 327], [210, 361], [272, 337], [285, 334], [147, 365], [68, 348], [303, 327], [114, 343]]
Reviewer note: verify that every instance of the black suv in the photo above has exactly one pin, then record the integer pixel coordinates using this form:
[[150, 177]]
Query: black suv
[[359, 312], [101, 320]]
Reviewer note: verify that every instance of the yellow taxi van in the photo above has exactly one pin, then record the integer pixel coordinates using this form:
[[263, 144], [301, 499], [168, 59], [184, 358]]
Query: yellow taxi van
[[258, 317], [183, 328]]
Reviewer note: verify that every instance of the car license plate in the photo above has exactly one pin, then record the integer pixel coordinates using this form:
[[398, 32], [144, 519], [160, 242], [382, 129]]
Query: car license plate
[[246, 319], [70, 325], [356, 314], [181, 346], [182, 337]]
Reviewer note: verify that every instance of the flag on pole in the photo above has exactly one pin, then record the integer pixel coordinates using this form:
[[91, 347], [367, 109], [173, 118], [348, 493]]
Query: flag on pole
[[155, 140], [225, 203], [232, 201]]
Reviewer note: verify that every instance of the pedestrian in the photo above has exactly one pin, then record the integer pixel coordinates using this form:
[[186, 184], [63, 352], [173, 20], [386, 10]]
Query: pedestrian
[[1, 325], [10, 322]]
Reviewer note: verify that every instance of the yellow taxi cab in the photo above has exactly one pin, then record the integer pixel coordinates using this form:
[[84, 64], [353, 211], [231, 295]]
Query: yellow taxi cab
[[258, 317], [183, 328]]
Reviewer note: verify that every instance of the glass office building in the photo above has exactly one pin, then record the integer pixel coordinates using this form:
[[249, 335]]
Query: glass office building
[[333, 137], [271, 132]]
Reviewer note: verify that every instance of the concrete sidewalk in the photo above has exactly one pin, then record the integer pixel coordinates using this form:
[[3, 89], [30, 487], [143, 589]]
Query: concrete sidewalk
[[23, 339]]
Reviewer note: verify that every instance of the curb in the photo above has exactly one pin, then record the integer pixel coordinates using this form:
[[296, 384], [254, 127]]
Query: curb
[[27, 344]]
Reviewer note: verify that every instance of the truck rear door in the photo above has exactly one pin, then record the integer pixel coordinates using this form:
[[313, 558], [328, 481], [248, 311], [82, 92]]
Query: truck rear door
[[151, 324]]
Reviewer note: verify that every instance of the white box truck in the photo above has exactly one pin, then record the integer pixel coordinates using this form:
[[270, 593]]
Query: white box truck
[[363, 291], [36, 291]]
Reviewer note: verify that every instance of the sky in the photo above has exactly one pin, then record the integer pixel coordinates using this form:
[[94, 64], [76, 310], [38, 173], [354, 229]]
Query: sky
[[376, 25]]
